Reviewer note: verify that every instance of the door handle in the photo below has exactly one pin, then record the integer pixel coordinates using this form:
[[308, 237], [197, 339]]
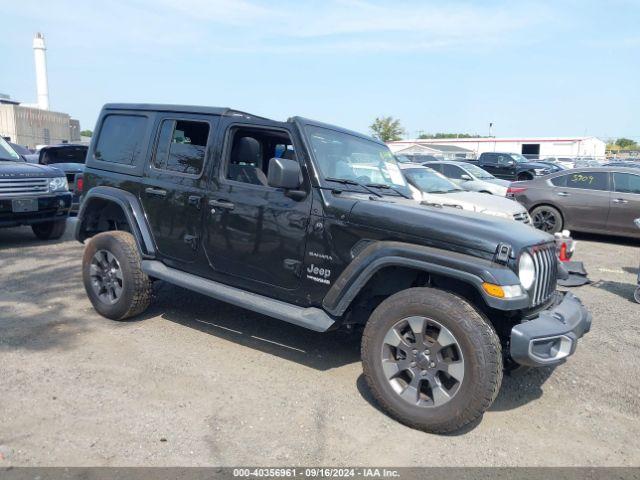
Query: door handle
[[221, 204], [620, 200], [156, 191], [194, 201], [562, 194]]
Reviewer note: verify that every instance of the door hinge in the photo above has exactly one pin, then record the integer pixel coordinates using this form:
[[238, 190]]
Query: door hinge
[[293, 265], [191, 240]]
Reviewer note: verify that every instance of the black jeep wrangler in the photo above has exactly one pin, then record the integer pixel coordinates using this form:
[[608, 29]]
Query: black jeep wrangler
[[314, 225], [32, 195]]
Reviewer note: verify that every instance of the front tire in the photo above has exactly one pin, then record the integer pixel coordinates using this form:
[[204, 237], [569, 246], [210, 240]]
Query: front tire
[[547, 218], [431, 360], [51, 230], [113, 277]]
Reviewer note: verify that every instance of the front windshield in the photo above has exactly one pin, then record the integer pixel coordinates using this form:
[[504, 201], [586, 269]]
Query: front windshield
[[430, 181], [478, 172], [6, 152], [518, 157], [348, 157]]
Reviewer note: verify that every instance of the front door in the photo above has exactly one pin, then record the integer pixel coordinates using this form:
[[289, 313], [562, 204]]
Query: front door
[[256, 233], [625, 204], [173, 193], [506, 167]]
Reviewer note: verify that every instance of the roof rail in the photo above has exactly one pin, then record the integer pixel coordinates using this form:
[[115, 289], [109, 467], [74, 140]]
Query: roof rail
[[230, 112]]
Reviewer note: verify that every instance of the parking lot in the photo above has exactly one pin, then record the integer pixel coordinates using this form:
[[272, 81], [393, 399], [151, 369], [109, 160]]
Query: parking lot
[[199, 382]]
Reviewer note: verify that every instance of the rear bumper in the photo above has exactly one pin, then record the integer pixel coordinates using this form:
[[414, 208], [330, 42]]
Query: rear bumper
[[552, 336]]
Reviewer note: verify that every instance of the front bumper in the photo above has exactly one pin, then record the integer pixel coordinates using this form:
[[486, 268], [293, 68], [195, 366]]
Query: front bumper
[[54, 206], [552, 336]]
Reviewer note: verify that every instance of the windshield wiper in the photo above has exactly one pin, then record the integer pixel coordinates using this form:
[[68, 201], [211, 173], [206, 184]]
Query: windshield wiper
[[389, 187], [348, 181]]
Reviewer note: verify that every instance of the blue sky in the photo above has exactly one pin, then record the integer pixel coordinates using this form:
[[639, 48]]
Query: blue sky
[[563, 67]]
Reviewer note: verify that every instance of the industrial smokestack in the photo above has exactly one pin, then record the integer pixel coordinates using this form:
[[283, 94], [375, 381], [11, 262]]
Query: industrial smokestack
[[40, 57]]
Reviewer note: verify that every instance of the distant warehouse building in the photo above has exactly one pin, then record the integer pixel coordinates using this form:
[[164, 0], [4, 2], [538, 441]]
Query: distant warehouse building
[[534, 147], [30, 126]]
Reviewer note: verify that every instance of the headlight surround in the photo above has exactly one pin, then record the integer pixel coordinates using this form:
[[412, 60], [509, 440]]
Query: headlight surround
[[58, 184], [541, 171], [526, 271]]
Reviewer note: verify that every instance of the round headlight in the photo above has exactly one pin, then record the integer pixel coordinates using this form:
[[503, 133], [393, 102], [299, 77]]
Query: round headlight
[[526, 271], [58, 183]]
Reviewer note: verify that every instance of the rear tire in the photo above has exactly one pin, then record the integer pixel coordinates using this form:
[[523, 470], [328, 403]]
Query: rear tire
[[113, 277], [457, 372], [547, 218], [51, 230]]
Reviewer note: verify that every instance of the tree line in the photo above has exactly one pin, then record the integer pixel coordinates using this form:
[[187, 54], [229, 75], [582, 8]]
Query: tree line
[[389, 129]]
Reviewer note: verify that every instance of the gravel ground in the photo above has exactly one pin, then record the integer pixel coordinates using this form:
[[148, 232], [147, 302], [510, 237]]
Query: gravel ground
[[197, 382]]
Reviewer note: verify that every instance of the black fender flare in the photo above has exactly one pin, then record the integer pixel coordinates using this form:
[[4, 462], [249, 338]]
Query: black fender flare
[[464, 267], [132, 210]]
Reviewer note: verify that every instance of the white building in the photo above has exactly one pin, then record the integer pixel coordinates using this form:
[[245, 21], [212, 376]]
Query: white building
[[34, 124], [532, 147]]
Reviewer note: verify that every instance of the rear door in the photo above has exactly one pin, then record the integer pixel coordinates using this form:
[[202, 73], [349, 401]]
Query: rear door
[[173, 191], [489, 162], [584, 200], [625, 204]]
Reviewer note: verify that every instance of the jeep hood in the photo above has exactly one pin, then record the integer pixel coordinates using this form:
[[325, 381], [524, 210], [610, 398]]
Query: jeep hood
[[475, 202], [9, 169], [446, 227]]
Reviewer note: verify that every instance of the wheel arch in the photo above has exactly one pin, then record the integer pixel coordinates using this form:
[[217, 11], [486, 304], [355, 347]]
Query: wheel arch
[[409, 266], [107, 208]]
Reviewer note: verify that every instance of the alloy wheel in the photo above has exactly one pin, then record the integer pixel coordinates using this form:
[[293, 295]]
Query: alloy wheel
[[422, 361], [106, 277], [545, 220]]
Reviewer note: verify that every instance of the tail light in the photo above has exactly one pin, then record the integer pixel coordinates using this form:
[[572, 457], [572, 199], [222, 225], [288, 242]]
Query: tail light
[[515, 190], [80, 184]]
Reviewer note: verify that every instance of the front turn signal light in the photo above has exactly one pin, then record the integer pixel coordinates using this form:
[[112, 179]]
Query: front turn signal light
[[502, 291]]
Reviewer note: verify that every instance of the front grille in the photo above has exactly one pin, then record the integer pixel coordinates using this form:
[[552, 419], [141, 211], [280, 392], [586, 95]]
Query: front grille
[[546, 265], [522, 217], [21, 187]]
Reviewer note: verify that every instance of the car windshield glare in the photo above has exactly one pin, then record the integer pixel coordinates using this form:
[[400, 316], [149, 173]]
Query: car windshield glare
[[344, 156], [7, 153], [430, 181], [518, 157], [478, 172]]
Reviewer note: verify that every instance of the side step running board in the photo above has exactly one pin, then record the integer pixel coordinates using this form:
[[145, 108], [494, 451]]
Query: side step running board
[[311, 317]]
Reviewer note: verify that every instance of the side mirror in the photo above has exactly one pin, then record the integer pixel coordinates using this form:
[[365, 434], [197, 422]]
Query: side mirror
[[465, 177], [284, 173], [510, 163]]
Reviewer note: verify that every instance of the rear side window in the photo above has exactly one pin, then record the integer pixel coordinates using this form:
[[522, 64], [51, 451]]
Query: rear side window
[[588, 180], [560, 181], [489, 158], [181, 146], [626, 183], [121, 139]]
